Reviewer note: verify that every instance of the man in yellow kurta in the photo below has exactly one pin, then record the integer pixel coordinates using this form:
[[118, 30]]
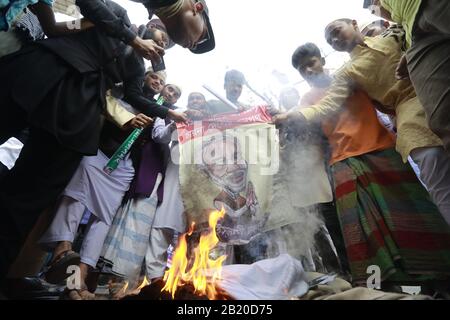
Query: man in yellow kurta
[[372, 69], [428, 38]]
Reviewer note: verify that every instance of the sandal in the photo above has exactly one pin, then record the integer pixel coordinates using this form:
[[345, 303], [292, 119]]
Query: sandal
[[57, 271]]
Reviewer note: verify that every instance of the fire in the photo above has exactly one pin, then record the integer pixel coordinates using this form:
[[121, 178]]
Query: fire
[[178, 275], [124, 289], [125, 292], [144, 283]]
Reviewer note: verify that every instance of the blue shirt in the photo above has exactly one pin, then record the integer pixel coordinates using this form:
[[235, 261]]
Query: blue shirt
[[11, 9]]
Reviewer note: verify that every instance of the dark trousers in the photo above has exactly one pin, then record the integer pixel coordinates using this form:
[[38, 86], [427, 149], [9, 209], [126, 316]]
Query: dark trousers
[[41, 173], [429, 65], [3, 170]]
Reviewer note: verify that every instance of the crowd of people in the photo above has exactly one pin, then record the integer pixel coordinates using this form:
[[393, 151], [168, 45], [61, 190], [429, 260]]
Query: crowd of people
[[373, 139]]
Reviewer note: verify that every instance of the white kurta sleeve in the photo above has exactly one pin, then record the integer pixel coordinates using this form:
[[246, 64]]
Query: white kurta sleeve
[[161, 132]]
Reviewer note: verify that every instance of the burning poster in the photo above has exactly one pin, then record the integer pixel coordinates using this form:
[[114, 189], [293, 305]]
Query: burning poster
[[227, 162]]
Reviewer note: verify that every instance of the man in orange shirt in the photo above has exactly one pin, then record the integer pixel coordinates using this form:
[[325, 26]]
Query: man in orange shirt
[[380, 202]]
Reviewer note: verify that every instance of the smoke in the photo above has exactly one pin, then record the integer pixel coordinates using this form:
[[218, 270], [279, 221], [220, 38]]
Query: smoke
[[300, 185], [294, 219]]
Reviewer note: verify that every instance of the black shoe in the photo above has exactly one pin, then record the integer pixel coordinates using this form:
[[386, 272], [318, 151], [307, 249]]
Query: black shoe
[[32, 289]]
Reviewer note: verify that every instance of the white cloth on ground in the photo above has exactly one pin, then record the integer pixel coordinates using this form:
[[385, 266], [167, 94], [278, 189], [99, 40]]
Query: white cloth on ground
[[282, 278]]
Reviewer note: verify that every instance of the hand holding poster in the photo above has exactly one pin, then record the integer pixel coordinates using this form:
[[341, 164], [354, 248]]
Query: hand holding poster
[[228, 161]]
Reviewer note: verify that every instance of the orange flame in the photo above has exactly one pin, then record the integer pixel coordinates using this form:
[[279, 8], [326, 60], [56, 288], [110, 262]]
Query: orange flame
[[177, 275], [123, 291], [143, 284]]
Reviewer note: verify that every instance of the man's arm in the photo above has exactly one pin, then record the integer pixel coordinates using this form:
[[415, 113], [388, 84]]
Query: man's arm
[[161, 132], [307, 100], [133, 88], [135, 97], [114, 23], [113, 20], [121, 117], [51, 28], [116, 113], [340, 90]]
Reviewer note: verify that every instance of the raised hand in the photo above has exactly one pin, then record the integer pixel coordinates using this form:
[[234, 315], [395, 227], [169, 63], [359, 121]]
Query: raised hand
[[178, 116], [148, 49]]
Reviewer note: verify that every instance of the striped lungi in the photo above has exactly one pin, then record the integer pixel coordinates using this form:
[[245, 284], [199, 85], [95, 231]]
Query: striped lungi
[[389, 221], [128, 239]]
